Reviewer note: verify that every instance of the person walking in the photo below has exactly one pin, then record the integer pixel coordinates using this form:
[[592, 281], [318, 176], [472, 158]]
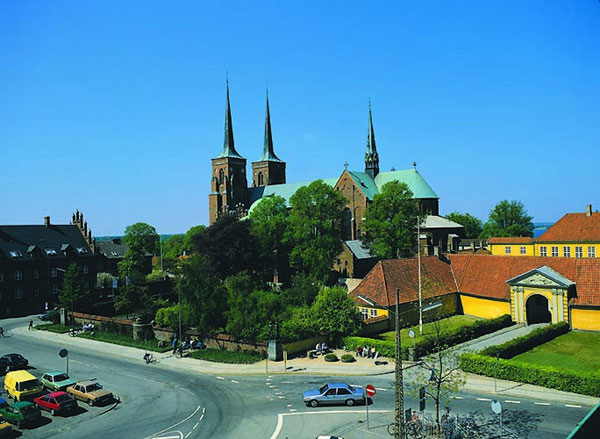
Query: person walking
[[174, 345], [30, 325], [1, 331]]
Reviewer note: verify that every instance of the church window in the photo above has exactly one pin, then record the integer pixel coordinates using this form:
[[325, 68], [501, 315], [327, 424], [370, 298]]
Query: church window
[[523, 250], [579, 252], [221, 176], [555, 251], [591, 252], [567, 252], [261, 179], [543, 251], [507, 249]]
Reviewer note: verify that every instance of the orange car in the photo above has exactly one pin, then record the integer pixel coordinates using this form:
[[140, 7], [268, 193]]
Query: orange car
[[90, 392]]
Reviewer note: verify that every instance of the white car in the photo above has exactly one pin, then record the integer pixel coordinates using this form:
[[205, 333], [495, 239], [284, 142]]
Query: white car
[[329, 437]]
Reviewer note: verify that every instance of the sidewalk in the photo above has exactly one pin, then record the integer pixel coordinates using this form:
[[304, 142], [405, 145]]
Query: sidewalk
[[316, 366]]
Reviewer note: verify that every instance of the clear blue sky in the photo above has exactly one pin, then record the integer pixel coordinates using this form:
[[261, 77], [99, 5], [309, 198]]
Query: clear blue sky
[[116, 108]]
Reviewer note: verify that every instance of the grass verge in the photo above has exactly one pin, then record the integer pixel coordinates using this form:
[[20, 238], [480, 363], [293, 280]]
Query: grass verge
[[124, 340], [53, 327], [450, 324], [223, 356]]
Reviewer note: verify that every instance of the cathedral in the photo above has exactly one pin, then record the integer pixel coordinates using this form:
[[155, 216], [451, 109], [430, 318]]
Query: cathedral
[[231, 190]]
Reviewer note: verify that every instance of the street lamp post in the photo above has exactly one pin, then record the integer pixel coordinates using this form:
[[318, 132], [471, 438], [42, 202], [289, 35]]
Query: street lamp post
[[399, 384], [419, 269]]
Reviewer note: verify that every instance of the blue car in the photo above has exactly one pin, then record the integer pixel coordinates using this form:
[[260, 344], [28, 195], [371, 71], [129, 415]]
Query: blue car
[[333, 393]]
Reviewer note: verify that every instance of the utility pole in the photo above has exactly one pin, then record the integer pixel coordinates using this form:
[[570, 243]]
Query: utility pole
[[419, 263], [399, 385]]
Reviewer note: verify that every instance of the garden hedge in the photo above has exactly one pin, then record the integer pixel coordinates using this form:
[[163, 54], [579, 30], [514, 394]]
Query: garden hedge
[[485, 363], [428, 345]]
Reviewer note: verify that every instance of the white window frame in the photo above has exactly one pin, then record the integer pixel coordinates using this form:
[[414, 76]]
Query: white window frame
[[53, 272], [18, 275], [591, 251], [544, 251], [566, 252], [373, 312], [579, 251], [19, 293], [54, 290], [364, 313], [507, 250], [523, 250], [555, 251]]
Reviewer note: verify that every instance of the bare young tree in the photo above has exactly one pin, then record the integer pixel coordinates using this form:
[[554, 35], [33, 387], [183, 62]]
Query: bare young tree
[[439, 372]]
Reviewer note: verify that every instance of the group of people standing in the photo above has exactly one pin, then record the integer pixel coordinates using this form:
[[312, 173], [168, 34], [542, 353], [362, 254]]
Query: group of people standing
[[366, 351]]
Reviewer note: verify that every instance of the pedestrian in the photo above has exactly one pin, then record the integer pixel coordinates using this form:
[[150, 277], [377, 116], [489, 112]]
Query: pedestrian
[[369, 352], [359, 351], [319, 349], [30, 325], [1, 331], [174, 345]]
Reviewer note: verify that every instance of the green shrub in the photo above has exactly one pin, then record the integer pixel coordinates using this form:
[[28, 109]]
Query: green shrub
[[124, 340], [330, 358], [551, 377], [527, 342], [385, 348], [225, 356], [348, 358], [53, 327]]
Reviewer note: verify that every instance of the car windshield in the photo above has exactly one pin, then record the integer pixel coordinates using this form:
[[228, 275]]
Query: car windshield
[[28, 385], [63, 398], [61, 377], [351, 388], [93, 387], [323, 389]]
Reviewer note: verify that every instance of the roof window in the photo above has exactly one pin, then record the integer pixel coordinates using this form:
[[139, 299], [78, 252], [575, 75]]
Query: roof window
[[114, 253], [50, 252], [15, 254], [81, 250]]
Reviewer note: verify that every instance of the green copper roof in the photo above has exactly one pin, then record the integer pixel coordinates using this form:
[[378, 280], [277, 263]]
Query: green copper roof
[[365, 182], [411, 177]]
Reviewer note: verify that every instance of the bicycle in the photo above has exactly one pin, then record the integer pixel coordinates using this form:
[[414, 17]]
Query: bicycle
[[416, 427], [180, 352]]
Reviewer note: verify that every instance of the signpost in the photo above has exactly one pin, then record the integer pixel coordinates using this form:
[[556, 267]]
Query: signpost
[[497, 408], [369, 391], [62, 354]]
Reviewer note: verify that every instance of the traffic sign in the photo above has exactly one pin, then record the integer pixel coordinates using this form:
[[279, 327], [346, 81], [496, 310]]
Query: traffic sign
[[63, 353], [370, 390], [496, 407]]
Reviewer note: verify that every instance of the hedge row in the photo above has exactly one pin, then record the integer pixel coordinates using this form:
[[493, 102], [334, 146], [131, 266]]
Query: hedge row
[[546, 376], [462, 334], [430, 344], [527, 342]]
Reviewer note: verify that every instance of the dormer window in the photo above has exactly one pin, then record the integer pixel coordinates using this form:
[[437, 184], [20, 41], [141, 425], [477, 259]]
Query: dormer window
[[81, 250], [15, 254], [50, 252], [114, 253]]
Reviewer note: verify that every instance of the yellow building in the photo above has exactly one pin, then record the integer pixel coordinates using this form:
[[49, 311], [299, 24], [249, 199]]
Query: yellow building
[[575, 235]]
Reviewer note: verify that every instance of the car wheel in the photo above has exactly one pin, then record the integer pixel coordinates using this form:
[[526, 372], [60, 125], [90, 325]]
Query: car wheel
[[90, 402], [349, 402], [314, 403], [52, 412]]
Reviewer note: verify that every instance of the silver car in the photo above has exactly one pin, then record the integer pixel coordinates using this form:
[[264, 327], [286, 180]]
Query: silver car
[[333, 393]]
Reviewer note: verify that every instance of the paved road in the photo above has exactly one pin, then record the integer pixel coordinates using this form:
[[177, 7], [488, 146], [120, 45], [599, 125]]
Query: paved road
[[171, 400]]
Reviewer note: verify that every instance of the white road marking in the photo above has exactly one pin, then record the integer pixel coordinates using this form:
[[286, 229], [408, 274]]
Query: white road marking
[[329, 412], [204, 410], [186, 436], [573, 405], [457, 397], [174, 425], [220, 378], [483, 399], [512, 402], [381, 388], [179, 436], [234, 381], [293, 410], [281, 397], [289, 405], [199, 420], [287, 382], [541, 403]]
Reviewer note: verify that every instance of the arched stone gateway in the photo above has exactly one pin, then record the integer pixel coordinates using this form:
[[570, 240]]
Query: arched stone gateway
[[538, 310]]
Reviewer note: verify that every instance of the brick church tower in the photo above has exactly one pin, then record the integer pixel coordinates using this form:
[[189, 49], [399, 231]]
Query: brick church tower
[[228, 183], [269, 169]]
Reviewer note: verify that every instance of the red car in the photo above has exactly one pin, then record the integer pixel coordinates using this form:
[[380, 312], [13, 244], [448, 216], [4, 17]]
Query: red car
[[56, 402]]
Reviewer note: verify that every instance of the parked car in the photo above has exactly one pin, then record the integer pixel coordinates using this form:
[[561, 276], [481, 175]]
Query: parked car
[[21, 385], [90, 392], [333, 393], [15, 361], [48, 315], [57, 403], [20, 413], [3, 366], [56, 381], [329, 437]]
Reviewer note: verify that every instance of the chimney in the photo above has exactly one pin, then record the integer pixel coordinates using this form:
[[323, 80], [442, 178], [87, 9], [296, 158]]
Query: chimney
[[47, 221], [588, 210]]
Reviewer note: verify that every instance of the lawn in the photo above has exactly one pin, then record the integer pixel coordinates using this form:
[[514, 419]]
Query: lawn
[[449, 324], [223, 356], [53, 327], [125, 340], [575, 351]]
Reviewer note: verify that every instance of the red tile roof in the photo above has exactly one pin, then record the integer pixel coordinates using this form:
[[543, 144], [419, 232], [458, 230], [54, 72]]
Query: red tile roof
[[510, 240], [574, 227], [381, 282], [486, 276]]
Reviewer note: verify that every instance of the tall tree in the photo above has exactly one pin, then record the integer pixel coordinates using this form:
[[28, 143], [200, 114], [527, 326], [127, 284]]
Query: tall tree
[[508, 218], [315, 231], [391, 222], [229, 246], [269, 225], [72, 295], [472, 225], [142, 237], [335, 313], [200, 287]]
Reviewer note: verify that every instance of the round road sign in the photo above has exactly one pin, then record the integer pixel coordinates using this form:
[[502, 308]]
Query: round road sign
[[411, 333], [370, 390], [63, 353]]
